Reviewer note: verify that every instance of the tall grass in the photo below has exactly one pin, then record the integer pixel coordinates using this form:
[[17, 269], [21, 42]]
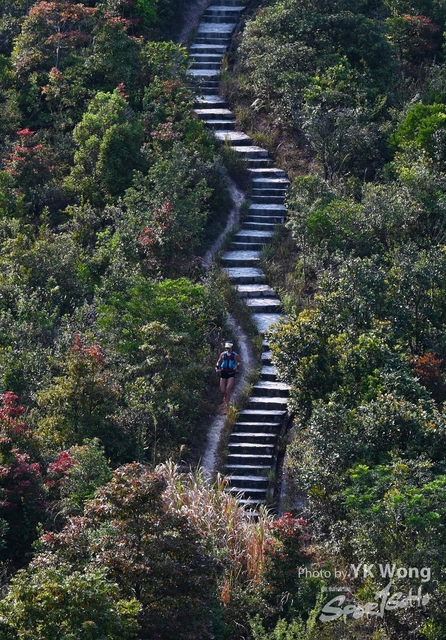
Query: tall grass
[[229, 532]]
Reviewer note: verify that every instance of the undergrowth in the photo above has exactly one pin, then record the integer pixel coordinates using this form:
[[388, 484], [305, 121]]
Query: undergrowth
[[235, 166], [280, 260]]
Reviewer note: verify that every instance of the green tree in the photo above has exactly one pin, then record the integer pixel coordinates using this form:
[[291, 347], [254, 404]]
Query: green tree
[[9, 112], [152, 555], [167, 210], [79, 403], [12, 13], [395, 511], [22, 497], [424, 127], [52, 602], [109, 139], [51, 28], [339, 137], [74, 476], [290, 42], [432, 8], [159, 335]]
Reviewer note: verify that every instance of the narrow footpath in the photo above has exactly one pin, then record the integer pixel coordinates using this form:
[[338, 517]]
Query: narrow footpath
[[252, 459]]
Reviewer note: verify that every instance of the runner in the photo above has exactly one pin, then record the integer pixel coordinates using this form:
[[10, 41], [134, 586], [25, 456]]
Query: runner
[[227, 365]]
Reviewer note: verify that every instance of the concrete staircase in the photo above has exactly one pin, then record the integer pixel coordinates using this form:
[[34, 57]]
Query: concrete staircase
[[252, 458]]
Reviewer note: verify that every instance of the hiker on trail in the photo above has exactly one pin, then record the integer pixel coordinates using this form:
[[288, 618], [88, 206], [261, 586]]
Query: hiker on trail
[[227, 365]]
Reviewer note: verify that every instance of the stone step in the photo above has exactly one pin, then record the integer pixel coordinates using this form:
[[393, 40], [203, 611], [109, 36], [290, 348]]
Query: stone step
[[269, 183], [254, 290], [218, 19], [262, 427], [250, 459], [234, 137], [215, 114], [246, 246], [248, 482], [218, 30], [245, 235], [210, 102], [248, 469], [258, 162], [256, 199], [210, 91], [273, 209], [274, 189], [253, 436], [210, 39], [243, 493], [252, 506], [251, 448], [223, 9], [220, 125], [264, 321], [268, 192], [268, 218], [268, 402], [266, 358], [201, 49], [271, 389], [212, 58], [245, 275], [206, 84], [263, 305], [261, 415], [204, 72], [205, 64], [272, 172], [251, 152], [264, 215], [258, 226], [230, 3], [268, 372], [240, 258]]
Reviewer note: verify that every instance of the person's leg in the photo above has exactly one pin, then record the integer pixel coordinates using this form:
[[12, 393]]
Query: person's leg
[[229, 386], [223, 387]]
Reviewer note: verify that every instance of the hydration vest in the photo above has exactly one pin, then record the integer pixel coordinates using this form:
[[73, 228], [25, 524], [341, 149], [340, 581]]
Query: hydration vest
[[229, 361]]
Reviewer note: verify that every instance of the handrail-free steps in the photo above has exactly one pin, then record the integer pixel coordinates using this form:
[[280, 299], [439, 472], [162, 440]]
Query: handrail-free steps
[[252, 447]]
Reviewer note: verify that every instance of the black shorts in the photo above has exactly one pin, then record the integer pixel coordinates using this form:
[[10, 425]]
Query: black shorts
[[227, 374]]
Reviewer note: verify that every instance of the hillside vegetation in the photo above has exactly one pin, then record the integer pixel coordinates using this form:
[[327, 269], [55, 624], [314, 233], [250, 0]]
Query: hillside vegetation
[[110, 190], [351, 96]]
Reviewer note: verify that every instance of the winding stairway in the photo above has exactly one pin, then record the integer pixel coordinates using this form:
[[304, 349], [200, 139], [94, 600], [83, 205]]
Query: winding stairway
[[252, 459]]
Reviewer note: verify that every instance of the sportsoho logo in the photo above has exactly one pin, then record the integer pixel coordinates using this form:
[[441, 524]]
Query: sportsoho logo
[[386, 599]]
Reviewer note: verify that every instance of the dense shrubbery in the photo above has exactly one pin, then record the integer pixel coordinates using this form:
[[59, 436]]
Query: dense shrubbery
[[365, 357], [327, 80], [157, 554], [108, 186]]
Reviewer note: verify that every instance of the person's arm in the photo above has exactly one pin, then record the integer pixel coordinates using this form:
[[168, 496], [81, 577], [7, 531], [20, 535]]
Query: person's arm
[[238, 359], [217, 366]]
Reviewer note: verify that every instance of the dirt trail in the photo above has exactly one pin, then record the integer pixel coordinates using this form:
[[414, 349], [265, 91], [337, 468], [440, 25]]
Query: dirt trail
[[192, 19], [208, 460], [237, 197], [243, 345]]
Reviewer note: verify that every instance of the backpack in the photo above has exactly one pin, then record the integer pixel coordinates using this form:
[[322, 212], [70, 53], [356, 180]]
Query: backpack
[[229, 361]]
